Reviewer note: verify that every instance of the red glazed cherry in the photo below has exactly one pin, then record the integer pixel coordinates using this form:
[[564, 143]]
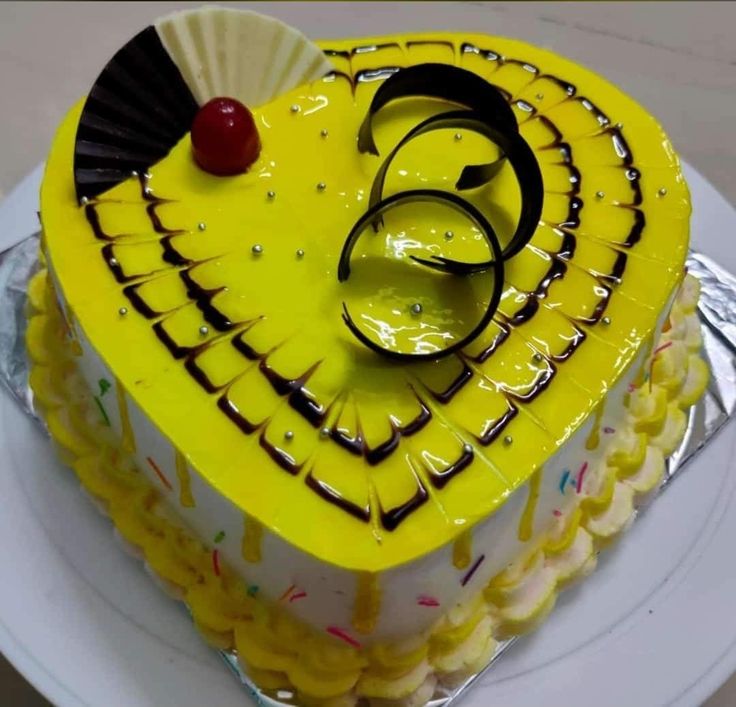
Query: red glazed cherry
[[224, 137]]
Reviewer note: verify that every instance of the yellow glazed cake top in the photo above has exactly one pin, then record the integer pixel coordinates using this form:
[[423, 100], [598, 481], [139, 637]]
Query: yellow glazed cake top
[[235, 346]]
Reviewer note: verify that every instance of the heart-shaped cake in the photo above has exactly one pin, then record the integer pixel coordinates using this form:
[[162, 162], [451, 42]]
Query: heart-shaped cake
[[367, 345]]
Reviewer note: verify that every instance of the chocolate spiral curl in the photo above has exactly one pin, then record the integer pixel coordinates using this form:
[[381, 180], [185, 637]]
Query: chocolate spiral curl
[[485, 112], [520, 157], [454, 202], [445, 82]]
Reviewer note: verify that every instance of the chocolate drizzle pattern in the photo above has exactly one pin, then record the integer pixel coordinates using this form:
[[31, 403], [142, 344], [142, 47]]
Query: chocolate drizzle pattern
[[332, 496], [295, 391]]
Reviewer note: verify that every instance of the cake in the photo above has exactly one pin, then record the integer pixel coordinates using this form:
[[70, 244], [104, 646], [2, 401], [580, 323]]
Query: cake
[[367, 404]]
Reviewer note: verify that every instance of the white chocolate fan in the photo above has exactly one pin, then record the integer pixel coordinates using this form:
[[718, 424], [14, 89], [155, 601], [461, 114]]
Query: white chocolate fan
[[238, 53]]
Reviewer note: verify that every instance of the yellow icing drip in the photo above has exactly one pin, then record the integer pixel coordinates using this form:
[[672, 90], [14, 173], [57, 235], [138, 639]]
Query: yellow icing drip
[[252, 539], [185, 488], [462, 550], [276, 650], [594, 438], [566, 538], [282, 292], [367, 603], [526, 525], [648, 349], [127, 436]]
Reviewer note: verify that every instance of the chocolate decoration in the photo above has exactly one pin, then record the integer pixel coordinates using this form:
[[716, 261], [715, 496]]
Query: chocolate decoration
[[244, 348], [177, 351], [445, 82], [354, 445], [455, 387], [440, 479], [513, 147], [329, 494], [378, 454], [452, 84], [487, 113], [392, 518], [495, 428], [137, 110], [430, 42], [231, 410], [282, 458], [131, 292], [309, 408], [342, 53], [418, 423], [367, 75], [496, 264], [576, 340], [368, 48], [200, 376], [503, 334]]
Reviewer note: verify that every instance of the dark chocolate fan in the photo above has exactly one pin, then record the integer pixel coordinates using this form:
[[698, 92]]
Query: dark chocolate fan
[[137, 110]]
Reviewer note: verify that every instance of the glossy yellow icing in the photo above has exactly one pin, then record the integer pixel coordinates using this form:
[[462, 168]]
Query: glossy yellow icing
[[302, 299], [275, 650]]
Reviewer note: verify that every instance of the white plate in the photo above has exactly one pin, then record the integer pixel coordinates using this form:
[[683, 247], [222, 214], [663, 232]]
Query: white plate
[[654, 625]]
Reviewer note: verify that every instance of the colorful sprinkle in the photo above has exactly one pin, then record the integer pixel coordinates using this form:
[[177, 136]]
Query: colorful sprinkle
[[609, 430], [662, 347], [556, 512], [339, 633], [220, 536], [472, 570], [103, 412], [160, 474], [424, 600], [298, 595], [216, 562], [581, 476], [105, 385], [563, 481], [287, 592], [252, 590], [632, 387]]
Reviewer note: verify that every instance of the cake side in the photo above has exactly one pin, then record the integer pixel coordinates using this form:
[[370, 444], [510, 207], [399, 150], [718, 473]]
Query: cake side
[[279, 653], [632, 310]]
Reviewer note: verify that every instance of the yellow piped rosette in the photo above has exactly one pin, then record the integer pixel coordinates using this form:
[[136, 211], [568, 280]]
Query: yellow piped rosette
[[274, 649]]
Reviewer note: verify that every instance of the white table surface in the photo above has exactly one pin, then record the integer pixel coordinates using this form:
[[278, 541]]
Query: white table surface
[[678, 59]]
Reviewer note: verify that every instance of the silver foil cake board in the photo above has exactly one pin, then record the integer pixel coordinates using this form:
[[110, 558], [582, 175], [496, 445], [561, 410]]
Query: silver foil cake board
[[716, 309]]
